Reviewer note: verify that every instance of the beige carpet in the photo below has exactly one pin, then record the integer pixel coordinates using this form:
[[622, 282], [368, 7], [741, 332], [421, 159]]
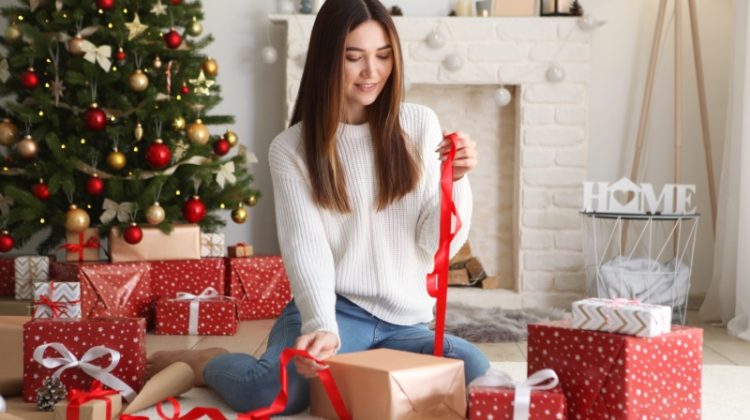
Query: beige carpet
[[726, 392]]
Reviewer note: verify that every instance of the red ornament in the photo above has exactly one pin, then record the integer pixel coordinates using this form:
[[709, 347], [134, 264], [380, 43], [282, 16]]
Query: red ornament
[[185, 89], [175, 2], [158, 154], [6, 241], [94, 119], [95, 185], [133, 234], [29, 79], [105, 4], [222, 146], [194, 210], [40, 190], [173, 39], [120, 56]]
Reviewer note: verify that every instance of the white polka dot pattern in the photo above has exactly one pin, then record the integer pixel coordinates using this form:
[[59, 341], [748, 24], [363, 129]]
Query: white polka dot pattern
[[190, 276], [214, 317], [497, 403], [7, 277], [125, 335], [613, 376], [260, 285]]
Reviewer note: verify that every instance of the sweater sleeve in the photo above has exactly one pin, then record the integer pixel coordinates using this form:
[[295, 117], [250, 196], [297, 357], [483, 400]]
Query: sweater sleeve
[[307, 255], [428, 229]]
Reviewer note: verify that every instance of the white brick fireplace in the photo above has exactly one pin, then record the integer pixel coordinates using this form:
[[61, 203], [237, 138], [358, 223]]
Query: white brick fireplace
[[526, 229]]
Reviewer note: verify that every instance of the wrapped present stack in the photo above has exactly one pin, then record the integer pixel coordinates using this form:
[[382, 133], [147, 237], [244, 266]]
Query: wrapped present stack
[[28, 270], [496, 396]]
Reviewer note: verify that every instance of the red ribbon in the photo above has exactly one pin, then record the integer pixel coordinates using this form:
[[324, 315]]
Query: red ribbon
[[80, 247], [194, 414], [437, 281], [77, 398], [278, 404], [57, 308]]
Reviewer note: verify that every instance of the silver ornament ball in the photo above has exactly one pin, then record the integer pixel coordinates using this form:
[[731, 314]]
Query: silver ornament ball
[[269, 54], [555, 73], [502, 96], [453, 62], [286, 7], [435, 40]]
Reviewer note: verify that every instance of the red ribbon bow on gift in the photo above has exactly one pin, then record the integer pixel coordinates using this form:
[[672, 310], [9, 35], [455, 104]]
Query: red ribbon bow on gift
[[278, 404], [57, 308], [437, 281], [80, 247], [77, 398], [194, 414]]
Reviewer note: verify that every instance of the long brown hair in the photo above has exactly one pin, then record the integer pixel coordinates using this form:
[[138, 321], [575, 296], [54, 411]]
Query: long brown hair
[[320, 107]]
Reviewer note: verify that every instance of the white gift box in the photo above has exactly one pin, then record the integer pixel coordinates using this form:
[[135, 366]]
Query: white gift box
[[29, 269], [212, 245], [622, 316], [66, 296]]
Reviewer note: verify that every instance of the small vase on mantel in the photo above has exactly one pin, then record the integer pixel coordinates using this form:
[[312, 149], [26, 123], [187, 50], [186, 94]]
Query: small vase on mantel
[[464, 8], [286, 7], [305, 7]]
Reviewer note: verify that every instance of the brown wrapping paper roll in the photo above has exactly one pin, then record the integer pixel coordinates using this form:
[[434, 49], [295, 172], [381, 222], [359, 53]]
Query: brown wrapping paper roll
[[183, 243], [176, 379]]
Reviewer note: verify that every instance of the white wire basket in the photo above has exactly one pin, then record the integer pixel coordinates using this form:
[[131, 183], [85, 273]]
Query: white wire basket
[[643, 257]]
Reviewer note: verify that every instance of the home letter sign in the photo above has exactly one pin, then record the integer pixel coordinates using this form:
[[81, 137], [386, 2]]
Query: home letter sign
[[625, 196]]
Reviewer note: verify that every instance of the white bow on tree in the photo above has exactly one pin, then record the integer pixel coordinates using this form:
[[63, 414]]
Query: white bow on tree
[[5, 203], [100, 54], [4, 71], [112, 209], [226, 174]]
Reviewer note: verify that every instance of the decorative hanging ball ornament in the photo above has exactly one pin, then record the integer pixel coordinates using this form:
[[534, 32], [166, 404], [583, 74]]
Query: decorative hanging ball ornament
[[157, 62], [75, 45], [252, 200], [239, 215], [29, 79], [502, 96], [194, 210], [13, 33], [555, 73], [76, 220], [175, 2], [40, 190], [210, 67], [231, 137], [173, 39], [197, 133], [120, 56], [94, 119], [222, 146], [185, 89], [286, 7], [6, 241], [94, 185], [138, 81], [27, 147], [138, 131], [155, 214], [195, 28], [453, 62], [8, 133], [158, 154], [116, 160], [105, 4], [178, 124], [435, 40], [132, 234], [269, 54]]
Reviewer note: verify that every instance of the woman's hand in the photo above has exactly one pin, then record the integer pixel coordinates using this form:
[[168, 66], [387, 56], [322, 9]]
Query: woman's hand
[[321, 345], [466, 154]]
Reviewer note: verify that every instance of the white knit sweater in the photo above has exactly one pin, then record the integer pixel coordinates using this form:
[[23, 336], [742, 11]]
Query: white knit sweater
[[376, 259]]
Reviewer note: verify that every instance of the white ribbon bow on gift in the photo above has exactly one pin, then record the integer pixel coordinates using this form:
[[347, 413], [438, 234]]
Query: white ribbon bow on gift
[[207, 295], [69, 360], [100, 54], [112, 209], [542, 380]]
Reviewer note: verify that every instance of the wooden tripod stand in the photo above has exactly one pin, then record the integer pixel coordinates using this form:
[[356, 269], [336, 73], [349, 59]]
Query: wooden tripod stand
[[678, 11]]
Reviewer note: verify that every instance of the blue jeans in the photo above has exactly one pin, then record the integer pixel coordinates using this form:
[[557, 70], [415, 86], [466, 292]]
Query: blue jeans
[[247, 383]]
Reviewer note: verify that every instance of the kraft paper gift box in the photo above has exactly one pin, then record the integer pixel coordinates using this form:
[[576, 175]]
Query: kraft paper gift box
[[190, 276], [515, 8], [614, 376], [182, 243], [7, 277], [82, 246], [496, 396], [240, 250], [260, 286], [10, 306], [622, 316], [212, 245], [91, 409], [390, 384], [102, 343], [28, 270], [11, 368], [208, 313], [57, 300]]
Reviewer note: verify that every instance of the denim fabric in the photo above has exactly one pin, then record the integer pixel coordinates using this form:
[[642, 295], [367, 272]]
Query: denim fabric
[[247, 383]]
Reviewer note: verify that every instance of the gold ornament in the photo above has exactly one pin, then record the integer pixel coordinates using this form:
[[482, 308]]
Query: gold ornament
[[178, 124], [157, 62], [197, 133], [12, 33], [27, 147], [239, 215], [138, 132], [75, 45], [76, 220], [138, 81], [252, 200], [231, 137], [195, 28], [155, 214], [116, 160], [210, 67], [8, 133]]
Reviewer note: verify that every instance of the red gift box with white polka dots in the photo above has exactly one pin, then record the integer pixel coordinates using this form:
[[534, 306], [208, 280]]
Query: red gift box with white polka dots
[[497, 403], [7, 277], [124, 335], [213, 317], [110, 289], [259, 284], [190, 276], [614, 376]]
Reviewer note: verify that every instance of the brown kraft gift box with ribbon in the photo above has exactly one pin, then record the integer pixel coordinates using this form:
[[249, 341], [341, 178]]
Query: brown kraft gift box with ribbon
[[390, 384], [182, 243], [97, 404], [82, 246], [11, 368]]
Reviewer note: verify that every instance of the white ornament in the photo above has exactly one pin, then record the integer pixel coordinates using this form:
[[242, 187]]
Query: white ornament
[[114, 209], [286, 7], [502, 96], [453, 62], [407, 84], [555, 73], [435, 40], [269, 54], [159, 9], [588, 22], [226, 174], [100, 54]]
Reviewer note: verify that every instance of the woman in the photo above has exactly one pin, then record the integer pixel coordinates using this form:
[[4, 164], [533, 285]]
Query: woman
[[355, 182]]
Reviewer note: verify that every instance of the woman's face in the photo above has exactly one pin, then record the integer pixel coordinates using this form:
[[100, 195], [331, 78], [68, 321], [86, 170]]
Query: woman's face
[[368, 62]]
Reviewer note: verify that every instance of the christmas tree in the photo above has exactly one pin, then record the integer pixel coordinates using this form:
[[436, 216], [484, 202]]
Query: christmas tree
[[107, 107]]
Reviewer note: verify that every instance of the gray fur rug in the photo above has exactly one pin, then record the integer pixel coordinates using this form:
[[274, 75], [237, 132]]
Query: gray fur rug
[[495, 325]]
